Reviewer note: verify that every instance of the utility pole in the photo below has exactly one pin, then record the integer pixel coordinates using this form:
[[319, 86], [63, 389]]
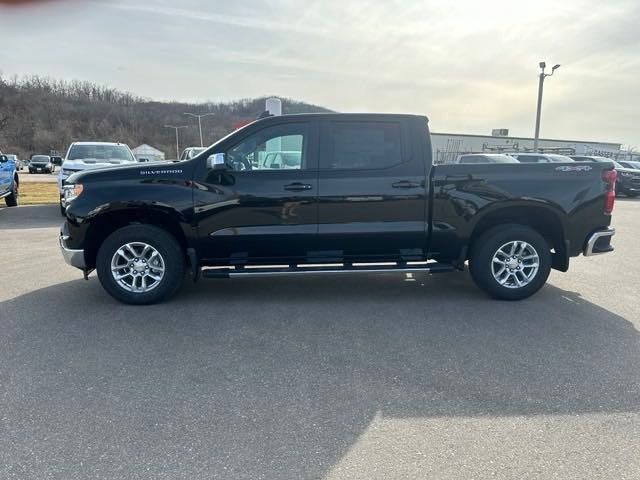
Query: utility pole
[[199, 116], [177, 143], [539, 109]]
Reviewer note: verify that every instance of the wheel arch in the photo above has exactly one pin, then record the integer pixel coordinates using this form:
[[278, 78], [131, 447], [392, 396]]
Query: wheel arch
[[105, 224], [543, 219]]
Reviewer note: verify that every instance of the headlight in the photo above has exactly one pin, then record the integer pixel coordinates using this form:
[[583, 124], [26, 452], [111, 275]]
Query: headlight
[[71, 192], [626, 174]]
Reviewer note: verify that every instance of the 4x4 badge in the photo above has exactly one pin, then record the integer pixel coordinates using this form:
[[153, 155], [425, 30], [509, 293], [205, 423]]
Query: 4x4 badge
[[577, 168]]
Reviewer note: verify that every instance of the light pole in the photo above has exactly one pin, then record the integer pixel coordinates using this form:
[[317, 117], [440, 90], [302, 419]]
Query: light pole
[[539, 110], [177, 144], [199, 116]]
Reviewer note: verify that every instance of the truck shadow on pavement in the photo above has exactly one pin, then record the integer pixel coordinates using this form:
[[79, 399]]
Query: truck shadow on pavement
[[278, 378]]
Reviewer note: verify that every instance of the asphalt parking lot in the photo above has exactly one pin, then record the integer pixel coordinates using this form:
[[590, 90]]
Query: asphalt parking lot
[[329, 377], [25, 176]]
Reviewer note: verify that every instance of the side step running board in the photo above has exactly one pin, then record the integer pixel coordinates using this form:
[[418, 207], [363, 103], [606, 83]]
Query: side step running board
[[303, 269]]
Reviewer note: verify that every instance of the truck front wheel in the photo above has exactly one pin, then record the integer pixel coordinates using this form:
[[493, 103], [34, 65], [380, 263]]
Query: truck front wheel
[[510, 262], [12, 199], [140, 265]]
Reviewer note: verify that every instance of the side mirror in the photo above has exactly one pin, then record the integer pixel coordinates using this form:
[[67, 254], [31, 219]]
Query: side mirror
[[4, 158], [57, 161], [143, 159], [216, 161]]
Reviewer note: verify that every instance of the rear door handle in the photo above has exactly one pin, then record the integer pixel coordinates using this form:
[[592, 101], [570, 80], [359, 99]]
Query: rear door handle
[[405, 184], [297, 187]]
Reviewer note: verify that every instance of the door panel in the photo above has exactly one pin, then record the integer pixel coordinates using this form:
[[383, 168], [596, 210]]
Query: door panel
[[263, 207], [376, 210]]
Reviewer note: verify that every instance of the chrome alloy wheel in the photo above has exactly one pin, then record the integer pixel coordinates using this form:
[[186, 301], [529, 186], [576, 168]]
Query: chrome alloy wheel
[[515, 264], [137, 267]]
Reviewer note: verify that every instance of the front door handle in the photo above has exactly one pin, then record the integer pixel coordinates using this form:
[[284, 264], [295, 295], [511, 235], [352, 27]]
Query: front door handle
[[297, 187], [405, 184]]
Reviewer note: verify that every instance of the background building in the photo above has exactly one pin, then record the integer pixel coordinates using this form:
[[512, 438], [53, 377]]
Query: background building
[[148, 152], [447, 146]]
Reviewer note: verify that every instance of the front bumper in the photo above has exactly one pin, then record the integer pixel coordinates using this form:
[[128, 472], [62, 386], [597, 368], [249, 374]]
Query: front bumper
[[599, 242], [75, 258]]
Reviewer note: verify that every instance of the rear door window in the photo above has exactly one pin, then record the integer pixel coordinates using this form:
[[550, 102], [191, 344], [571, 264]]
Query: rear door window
[[362, 145]]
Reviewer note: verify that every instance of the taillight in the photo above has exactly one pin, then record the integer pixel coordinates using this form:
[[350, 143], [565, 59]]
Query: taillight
[[609, 177]]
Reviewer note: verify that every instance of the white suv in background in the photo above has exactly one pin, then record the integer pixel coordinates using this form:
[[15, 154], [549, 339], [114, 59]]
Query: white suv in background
[[540, 157], [88, 155]]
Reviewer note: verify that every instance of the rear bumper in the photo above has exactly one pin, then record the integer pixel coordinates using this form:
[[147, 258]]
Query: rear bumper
[[599, 242], [73, 257]]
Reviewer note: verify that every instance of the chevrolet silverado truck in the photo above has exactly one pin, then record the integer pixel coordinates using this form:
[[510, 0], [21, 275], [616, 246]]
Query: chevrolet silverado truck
[[9, 181], [355, 193]]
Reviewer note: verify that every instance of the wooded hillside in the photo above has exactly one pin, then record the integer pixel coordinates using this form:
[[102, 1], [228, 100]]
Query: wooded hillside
[[39, 114]]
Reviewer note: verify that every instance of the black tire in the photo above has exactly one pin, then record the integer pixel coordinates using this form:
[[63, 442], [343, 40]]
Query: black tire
[[159, 239], [13, 198], [485, 247]]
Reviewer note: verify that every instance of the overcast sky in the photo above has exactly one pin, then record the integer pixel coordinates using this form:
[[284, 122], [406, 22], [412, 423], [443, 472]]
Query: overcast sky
[[469, 65]]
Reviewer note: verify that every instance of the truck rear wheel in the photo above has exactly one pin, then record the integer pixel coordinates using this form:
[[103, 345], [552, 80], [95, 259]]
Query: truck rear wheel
[[140, 265], [510, 262]]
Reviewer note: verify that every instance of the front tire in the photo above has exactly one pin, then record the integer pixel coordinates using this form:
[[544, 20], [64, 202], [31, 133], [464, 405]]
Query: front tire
[[140, 265], [12, 199], [510, 262]]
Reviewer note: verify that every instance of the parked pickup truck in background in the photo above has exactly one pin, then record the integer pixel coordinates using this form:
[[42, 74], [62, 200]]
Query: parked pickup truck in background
[[88, 156], [363, 197], [627, 180], [9, 181]]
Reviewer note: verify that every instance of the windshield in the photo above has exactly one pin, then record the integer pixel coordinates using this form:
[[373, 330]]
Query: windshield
[[40, 158], [195, 151], [635, 165], [100, 152], [502, 159], [560, 158], [617, 165]]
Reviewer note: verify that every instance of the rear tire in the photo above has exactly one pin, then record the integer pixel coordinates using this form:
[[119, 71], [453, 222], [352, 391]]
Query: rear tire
[[168, 254], [516, 274], [12, 199]]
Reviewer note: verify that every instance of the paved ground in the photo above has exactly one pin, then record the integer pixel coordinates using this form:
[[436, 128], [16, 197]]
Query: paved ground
[[337, 378], [25, 176]]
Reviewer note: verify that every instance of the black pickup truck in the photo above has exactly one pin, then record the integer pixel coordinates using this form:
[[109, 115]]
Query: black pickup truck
[[332, 193]]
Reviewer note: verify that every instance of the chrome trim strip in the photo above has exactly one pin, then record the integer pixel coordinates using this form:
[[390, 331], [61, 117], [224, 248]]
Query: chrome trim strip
[[254, 271], [588, 250]]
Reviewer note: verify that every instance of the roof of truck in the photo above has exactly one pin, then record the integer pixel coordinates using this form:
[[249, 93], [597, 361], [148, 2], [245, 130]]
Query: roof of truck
[[98, 143], [343, 115]]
